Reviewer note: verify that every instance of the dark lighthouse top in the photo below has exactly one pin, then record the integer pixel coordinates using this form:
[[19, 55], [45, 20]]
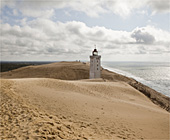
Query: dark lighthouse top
[[95, 52]]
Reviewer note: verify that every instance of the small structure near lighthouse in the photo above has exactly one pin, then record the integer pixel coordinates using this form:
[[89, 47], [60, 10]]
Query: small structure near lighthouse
[[95, 65]]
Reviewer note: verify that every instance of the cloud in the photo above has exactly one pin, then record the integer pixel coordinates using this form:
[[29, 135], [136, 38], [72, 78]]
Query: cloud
[[37, 13], [38, 8], [123, 8], [15, 12], [158, 34], [143, 37], [159, 5], [72, 40]]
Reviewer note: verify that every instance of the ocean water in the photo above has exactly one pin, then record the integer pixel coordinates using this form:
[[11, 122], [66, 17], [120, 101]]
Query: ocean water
[[153, 74]]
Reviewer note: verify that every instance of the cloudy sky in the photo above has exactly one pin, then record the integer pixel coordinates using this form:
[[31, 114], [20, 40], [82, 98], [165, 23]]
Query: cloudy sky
[[56, 30]]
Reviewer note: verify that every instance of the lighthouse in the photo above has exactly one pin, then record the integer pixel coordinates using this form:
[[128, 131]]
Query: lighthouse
[[95, 65]]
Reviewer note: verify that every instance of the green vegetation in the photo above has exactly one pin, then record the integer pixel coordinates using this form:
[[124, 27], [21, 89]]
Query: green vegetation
[[7, 66]]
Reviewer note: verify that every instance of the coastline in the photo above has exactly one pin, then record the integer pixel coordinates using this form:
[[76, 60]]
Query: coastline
[[149, 74], [80, 70], [59, 101], [156, 97]]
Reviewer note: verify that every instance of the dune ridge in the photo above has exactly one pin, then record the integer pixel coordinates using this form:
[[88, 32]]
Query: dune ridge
[[79, 70]]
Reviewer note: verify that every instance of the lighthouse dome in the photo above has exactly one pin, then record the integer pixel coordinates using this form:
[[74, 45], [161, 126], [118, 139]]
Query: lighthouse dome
[[95, 52]]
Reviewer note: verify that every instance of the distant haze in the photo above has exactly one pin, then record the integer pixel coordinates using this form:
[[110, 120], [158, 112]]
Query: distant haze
[[123, 30]]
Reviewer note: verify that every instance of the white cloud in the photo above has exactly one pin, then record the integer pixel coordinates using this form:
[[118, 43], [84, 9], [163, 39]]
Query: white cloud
[[23, 21], [159, 34], [37, 13], [73, 40], [159, 5], [123, 8]]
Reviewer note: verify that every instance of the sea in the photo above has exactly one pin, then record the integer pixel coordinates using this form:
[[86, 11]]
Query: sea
[[153, 74]]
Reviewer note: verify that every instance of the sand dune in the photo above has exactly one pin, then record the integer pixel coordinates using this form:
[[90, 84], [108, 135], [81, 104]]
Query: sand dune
[[59, 70], [43, 108], [80, 70], [21, 120], [58, 101]]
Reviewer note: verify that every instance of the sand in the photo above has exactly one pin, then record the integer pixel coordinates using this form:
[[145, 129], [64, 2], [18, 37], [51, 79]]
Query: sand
[[43, 108], [58, 101], [80, 70]]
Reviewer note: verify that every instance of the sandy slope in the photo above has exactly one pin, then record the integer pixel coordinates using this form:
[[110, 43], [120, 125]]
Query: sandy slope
[[79, 70], [84, 109]]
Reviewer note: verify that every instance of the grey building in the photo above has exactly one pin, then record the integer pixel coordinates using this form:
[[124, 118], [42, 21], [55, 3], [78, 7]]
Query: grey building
[[95, 65]]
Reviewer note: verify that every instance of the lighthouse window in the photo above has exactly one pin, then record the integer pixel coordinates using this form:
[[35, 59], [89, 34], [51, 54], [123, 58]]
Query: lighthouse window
[[97, 68]]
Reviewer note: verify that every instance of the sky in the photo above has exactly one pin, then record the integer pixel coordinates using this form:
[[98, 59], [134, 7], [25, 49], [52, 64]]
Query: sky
[[68, 30]]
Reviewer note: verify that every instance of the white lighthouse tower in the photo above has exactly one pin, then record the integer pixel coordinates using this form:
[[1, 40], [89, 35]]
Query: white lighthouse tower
[[95, 65]]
